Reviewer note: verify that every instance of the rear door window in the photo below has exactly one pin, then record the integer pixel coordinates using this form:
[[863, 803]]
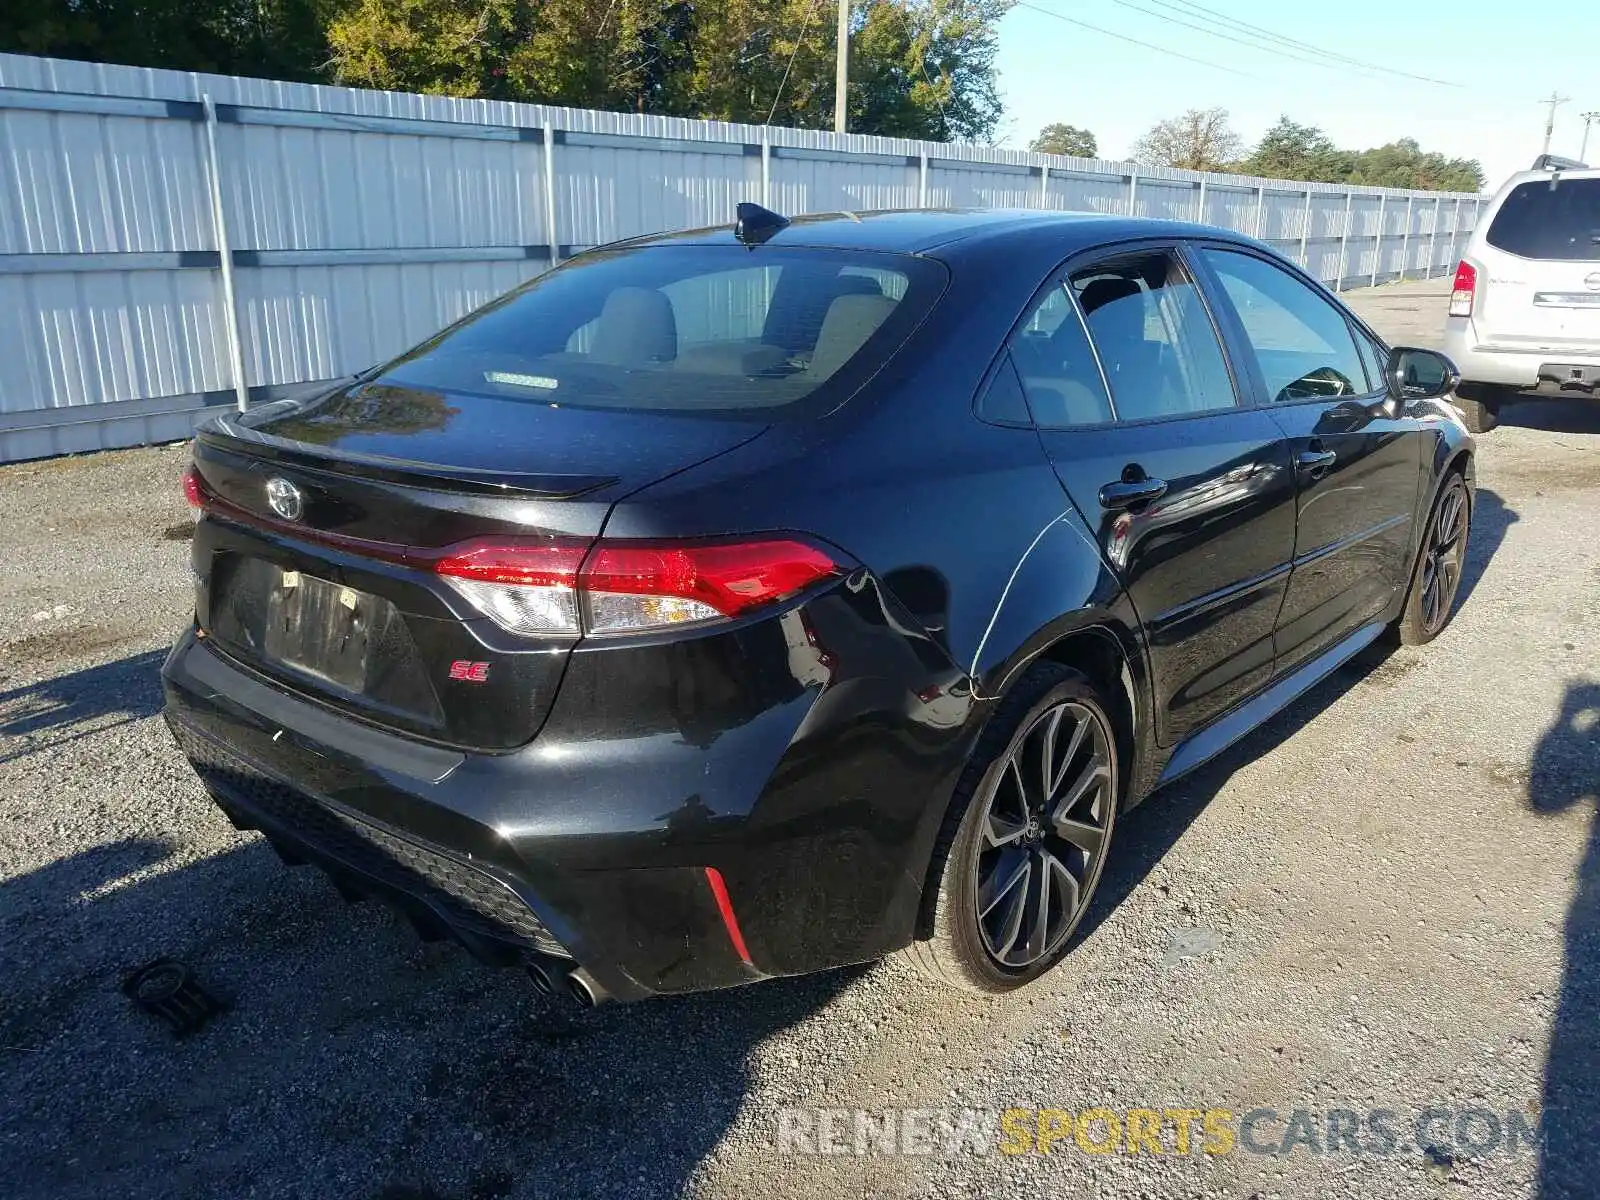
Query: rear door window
[[1154, 337], [1549, 218], [720, 329]]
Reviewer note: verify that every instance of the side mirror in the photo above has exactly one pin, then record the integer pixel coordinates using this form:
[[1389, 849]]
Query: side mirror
[[1413, 373]]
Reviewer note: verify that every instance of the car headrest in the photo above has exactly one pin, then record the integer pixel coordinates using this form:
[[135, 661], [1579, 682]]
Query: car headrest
[[800, 304], [1104, 291], [636, 328], [851, 320]]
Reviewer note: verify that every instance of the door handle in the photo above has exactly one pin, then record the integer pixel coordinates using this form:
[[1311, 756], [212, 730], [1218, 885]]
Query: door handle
[[1316, 462], [1125, 493]]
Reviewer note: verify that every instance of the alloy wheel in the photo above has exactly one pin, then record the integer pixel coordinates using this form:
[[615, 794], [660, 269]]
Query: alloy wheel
[[1442, 558], [1046, 829]]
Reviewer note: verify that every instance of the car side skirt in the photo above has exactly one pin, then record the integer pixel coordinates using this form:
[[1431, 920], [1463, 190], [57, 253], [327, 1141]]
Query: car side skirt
[[1211, 741]]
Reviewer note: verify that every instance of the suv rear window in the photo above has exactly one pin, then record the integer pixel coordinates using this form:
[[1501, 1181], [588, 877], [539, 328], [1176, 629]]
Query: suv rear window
[[720, 329], [1557, 219]]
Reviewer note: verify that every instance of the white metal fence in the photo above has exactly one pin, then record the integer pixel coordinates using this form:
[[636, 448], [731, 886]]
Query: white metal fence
[[172, 241]]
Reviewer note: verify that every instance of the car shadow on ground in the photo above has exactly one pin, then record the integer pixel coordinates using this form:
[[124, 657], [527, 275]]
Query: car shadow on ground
[[1491, 519], [1554, 414], [79, 704], [1565, 776], [1156, 825], [352, 1061]]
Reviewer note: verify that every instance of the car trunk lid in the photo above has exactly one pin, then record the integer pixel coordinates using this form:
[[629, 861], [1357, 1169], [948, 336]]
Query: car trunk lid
[[316, 568]]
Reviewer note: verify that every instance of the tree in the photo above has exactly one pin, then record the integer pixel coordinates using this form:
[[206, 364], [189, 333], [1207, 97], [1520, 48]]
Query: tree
[[1065, 139], [1290, 150], [918, 68], [283, 39], [1199, 140], [616, 56], [1404, 164]]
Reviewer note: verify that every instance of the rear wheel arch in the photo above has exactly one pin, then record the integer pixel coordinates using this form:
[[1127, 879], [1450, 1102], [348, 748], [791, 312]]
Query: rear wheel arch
[[1102, 651], [1100, 654]]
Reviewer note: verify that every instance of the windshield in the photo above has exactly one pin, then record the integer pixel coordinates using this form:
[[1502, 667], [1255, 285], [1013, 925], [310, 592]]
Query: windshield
[[720, 329], [1550, 218]]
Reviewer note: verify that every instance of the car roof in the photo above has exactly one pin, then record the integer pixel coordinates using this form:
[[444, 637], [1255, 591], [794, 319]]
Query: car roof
[[921, 230], [1546, 176]]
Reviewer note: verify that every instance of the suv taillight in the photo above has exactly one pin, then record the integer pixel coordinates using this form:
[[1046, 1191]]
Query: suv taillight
[[1466, 287], [563, 587], [194, 490]]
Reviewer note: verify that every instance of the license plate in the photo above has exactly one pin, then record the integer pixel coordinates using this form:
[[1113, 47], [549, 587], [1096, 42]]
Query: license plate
[[321, 628]]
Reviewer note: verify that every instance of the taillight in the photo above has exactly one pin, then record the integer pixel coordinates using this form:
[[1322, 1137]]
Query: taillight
[[1466, 287], [559, 587], [523, 587], [193, 490]]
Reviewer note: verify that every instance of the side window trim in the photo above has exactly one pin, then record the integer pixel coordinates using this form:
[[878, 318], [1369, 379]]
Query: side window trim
[[1178, 249], [1064, 282], [1236, 327], [1240, 368], [1249, 384], [1059, 280]]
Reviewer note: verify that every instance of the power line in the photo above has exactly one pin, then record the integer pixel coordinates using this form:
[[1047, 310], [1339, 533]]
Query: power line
[[1238, 41], [804, 28], [1287, 49], [1194, 9], [1122, 37]]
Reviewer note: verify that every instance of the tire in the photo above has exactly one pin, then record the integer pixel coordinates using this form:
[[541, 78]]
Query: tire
[[1479, 405], [990, 836], [1425, 616]]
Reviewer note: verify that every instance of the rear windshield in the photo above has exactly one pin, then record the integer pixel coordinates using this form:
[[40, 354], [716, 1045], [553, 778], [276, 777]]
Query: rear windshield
[[1557, 219], [720, 329]]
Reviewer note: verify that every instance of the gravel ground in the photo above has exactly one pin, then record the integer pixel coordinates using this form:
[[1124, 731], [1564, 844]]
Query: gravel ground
[[1388, 898]]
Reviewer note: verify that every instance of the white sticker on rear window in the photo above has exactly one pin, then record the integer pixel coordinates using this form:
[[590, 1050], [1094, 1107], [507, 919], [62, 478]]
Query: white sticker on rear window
[[512, 379]]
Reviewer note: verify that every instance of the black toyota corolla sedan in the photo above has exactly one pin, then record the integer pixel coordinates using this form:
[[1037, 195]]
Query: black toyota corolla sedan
[[757, 600]]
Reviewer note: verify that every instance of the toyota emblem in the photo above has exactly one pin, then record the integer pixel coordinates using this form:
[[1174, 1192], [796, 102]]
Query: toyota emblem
[[285, 499]]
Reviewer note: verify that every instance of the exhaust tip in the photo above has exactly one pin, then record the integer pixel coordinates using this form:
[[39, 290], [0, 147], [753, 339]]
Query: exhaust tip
[[585, 990], [541, 979]]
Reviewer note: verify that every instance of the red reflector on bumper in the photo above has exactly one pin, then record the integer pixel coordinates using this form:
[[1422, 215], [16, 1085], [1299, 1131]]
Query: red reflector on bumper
[[719, 890]]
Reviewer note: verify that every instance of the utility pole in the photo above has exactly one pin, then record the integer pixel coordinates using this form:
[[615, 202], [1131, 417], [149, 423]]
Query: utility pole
[[841, 70], [1553, 99], [1589, 118]]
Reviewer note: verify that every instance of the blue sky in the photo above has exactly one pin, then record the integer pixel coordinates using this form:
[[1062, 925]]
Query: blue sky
[[1504, 56]]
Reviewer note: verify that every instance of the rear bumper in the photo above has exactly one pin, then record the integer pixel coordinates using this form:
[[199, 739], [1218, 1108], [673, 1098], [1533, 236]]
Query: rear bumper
[[815, 812], [1525, 370]]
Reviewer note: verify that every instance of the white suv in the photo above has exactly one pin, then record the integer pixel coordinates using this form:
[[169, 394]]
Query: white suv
[[1525, 311]]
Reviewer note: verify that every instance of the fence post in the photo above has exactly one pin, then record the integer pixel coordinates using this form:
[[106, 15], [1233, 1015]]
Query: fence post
[[1433, 238], [766, 167], [1405, 240], [1377, 255], [1133, 190], [219, 221], [1044, 186], [1344, 241], [550, 194], [1200, 203], [1455, 234], [1261, 205], [922, 179], [1305, 234]]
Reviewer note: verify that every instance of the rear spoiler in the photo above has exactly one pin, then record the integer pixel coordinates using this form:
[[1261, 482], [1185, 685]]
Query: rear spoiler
[[1554, 162]]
